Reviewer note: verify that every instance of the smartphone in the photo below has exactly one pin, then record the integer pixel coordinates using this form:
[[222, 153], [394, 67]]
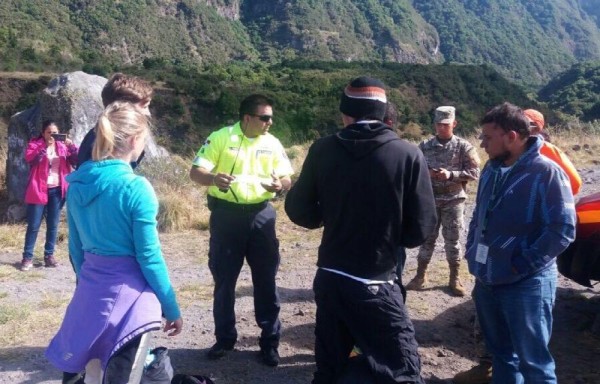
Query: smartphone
[[59, 136]]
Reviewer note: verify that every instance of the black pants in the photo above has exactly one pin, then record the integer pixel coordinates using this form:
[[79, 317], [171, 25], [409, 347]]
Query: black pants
[[374, 318], [118, 369], [236, 234]]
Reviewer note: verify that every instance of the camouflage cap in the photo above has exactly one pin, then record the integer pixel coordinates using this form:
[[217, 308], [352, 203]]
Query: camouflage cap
[[444, 115]]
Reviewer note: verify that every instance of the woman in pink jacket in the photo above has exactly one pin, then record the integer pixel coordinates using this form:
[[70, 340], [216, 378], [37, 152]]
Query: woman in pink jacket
[[50, 157]]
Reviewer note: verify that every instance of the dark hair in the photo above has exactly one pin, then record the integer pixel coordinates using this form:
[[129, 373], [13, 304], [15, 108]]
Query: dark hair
[[45, 125], [391, 115], [250, 104], [508, 117], [48, 123], [121, 87]]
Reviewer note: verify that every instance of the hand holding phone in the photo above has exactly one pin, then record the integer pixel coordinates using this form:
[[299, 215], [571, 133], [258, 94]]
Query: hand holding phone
[[59, 136]]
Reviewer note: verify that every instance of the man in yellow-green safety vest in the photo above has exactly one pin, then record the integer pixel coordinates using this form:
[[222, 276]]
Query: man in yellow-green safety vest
[[244, 166]]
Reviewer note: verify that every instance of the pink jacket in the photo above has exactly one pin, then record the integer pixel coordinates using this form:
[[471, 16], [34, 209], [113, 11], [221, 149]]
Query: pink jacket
[[35, 156]]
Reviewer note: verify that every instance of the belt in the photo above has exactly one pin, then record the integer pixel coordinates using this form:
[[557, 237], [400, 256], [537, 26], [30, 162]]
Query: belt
[[441, 190], [214, 203]]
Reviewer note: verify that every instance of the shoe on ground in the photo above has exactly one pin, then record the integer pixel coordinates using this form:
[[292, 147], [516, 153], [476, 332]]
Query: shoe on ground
[[26, 264], [218, 350], [50, 262], [417, 283], [270, 356], [457, 288], [479, 374]]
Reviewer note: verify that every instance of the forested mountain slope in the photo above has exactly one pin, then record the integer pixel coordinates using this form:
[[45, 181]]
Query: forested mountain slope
[[527, 41]]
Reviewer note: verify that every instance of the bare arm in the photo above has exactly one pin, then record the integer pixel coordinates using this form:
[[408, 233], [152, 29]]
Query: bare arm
[[204, 177]]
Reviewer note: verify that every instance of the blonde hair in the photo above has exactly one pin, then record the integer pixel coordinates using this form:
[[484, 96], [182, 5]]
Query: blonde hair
[[118, 123]]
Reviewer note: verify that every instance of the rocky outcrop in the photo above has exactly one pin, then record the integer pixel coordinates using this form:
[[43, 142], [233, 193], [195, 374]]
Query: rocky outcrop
[[73, 101]]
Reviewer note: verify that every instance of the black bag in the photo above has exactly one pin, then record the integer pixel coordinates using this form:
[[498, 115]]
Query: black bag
[[191, 379], [160, 371]]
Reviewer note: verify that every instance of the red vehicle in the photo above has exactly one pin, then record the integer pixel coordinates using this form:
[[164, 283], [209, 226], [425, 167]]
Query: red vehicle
[[580, 262]]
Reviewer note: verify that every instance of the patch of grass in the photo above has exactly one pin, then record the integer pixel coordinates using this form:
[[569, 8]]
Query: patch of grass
[[178, 212], [297, 154], [3, 295], [25, 325], [10, 272], [182, 203], [49, 301], [13, 312], [581, 146], [189, 294], [12, 236], [418, 306]]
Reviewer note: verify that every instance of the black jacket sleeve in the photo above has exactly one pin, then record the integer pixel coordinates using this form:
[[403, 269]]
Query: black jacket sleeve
[[419, 217], [302, 203], [85, 149]]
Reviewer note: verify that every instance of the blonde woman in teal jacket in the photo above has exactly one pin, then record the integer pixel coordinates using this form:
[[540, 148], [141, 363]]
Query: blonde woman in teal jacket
[[123, 284]]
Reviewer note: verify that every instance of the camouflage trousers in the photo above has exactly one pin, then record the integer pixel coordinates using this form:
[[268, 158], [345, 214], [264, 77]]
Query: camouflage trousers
[[450, 218]]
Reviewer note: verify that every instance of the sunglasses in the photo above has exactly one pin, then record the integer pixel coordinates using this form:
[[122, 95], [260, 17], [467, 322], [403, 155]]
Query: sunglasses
[[264, 118]]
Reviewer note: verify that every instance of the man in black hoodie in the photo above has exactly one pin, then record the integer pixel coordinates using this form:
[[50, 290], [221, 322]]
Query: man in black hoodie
[[372, 193]]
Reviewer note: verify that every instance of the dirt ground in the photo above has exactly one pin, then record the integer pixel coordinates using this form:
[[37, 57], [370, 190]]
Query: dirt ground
[[444, 324]]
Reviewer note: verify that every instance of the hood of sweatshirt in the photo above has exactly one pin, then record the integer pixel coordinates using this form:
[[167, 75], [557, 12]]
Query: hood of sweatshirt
[[94, 177], [362, 138]]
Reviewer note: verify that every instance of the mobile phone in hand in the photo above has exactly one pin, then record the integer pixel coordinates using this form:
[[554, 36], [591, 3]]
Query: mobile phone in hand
[[59, 136]]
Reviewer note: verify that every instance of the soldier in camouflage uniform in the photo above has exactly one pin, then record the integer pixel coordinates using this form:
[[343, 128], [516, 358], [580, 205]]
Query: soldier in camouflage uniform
[[452, 163]]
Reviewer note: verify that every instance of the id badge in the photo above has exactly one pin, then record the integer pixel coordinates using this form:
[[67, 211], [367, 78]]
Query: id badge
[[482, 253]]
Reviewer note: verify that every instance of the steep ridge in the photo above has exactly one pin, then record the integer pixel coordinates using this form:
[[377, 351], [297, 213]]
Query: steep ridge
[[528, 42]]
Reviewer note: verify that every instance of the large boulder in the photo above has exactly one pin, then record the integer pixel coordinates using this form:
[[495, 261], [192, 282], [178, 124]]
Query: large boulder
[[73, 101]]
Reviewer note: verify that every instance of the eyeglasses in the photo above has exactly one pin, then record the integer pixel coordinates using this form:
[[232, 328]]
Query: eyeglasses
[[264, 118]]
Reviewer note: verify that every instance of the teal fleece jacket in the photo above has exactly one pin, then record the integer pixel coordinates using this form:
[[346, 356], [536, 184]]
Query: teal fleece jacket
[[112, 212]]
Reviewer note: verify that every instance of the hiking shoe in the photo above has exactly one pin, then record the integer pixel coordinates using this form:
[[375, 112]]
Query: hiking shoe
[[218, 350], [479, 374], [50, 262], [270, 356], [417, 283], [26, 264]]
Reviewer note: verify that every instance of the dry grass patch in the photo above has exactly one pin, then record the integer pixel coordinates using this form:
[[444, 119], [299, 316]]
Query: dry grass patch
[[11, 272], [191, 294], [182, 203], [297, 154], [12, 236], [22, 325], [418, 305], [580, 144], [13, 312], [178, 212], [54, 302]]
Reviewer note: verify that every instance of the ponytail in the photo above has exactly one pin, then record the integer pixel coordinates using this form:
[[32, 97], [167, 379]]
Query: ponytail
[[118, 123], [105, 139]]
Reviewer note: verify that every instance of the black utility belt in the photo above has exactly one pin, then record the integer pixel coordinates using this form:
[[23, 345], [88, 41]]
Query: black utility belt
[[216, 203]]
